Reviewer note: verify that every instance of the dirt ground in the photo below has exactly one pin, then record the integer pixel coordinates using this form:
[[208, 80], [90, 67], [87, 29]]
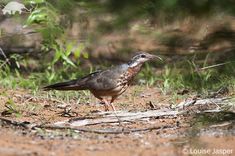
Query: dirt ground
[[182, 138]]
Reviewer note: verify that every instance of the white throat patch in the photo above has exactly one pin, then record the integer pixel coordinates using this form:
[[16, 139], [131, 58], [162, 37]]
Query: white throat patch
[[134, 64]]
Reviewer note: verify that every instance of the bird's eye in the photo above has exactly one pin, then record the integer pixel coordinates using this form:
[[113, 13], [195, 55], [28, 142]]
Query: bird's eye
[[142, 56]]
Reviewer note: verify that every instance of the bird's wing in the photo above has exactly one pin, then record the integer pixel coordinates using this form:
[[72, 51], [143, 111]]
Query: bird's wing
[[107, 79], [99, 80]]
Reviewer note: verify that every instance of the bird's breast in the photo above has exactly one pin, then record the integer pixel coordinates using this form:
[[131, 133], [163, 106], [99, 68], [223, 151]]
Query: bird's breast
[[126, 78], [132, 72]]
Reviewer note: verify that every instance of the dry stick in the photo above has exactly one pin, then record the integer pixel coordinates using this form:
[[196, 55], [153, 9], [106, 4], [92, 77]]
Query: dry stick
[[124, 117], [190, 102], [102, 122], [213, 66], [88, 130], [123, 131], [4, 55], [13, 123]]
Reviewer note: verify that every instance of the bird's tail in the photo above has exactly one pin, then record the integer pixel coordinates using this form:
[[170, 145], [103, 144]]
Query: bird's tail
[[69, 85]]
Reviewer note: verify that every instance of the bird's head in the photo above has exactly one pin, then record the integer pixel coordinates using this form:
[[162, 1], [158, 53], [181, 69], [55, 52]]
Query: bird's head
[[141, 58]]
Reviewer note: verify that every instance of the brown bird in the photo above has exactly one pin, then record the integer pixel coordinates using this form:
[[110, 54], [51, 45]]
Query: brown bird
[[111, 82]]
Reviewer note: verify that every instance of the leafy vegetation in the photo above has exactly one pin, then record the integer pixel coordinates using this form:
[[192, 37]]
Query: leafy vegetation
[[45, 18], [187, 76]]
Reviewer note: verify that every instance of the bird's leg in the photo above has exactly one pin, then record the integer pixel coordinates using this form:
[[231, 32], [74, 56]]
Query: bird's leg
[[113, 108], [111, 104], [103, 101], [106, 104]]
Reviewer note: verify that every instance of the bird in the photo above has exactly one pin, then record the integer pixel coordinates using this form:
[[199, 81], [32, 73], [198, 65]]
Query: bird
[[109, 83]]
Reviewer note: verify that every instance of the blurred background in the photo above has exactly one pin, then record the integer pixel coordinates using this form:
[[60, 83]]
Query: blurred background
[[59, 40]]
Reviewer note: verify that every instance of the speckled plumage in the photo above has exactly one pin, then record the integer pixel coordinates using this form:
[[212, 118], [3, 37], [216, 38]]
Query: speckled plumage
[[111, 82]]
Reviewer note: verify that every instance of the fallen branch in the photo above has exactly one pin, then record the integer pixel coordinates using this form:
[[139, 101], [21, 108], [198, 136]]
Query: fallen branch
[[190, 102], [13, 123], [109, 131], [122, 130], [123, 116]]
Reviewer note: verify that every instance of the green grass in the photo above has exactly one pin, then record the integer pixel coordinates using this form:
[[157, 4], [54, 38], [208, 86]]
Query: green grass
[[184, 75], [170, 79]]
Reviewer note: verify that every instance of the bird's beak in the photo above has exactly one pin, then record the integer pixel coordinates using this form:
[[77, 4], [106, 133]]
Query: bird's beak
[[155, 57]]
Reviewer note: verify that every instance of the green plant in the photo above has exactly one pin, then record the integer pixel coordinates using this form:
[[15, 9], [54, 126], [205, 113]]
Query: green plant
[[47, 20], [171, 79], [45, 17], [11, 108], [147, 75], [187, 75]]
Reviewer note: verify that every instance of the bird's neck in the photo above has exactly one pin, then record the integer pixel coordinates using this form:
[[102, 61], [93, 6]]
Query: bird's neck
[[135, 64], [134, 68]]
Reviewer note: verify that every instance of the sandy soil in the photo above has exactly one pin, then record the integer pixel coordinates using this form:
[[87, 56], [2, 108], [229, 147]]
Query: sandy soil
[[183, 139]]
